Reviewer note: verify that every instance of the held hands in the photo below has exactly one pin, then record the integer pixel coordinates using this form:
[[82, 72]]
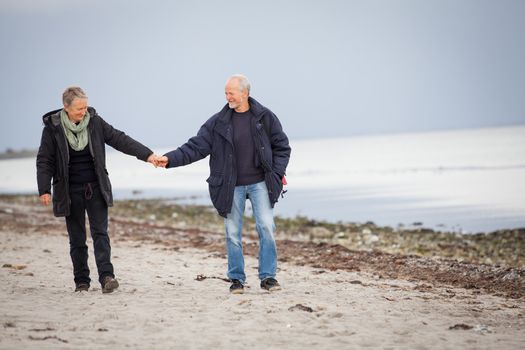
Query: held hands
[[162, 161], [158, 161]]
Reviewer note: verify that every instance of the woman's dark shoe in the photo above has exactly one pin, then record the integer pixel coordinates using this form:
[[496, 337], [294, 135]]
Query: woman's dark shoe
[[109, 284], [82, 287]]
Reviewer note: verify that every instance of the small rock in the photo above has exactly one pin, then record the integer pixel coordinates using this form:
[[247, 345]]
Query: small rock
[[366, 231], [482, 328], [372, 239], [341, 235], [321, 232]]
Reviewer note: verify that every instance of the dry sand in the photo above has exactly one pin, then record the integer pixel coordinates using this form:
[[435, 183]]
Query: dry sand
[[161, 304]]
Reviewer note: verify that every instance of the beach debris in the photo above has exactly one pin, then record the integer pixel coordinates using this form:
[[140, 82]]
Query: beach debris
[[356, 282], [300, 307], [48, 337], [203, 277], [513, 275], [15, 267], [9, 325], [46, 251], [450, 293], [460, 326], [423, 287], [484, 262], [47, 329], [102, 330]]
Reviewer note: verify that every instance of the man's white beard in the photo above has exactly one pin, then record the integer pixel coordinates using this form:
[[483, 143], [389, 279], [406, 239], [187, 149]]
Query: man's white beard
[[233, 105]]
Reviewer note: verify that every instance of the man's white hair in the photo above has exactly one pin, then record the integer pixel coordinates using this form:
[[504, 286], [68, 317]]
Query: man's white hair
[[244, 83]]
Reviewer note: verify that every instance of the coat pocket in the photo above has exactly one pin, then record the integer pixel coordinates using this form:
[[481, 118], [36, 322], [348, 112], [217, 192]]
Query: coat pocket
[[274, 183], [215, 186], [59, 197]]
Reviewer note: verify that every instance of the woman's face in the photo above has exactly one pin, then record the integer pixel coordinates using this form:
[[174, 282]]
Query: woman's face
[[76, 110]]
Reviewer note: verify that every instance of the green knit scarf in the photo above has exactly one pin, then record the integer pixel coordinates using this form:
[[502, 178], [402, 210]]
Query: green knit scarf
[[77, 135]]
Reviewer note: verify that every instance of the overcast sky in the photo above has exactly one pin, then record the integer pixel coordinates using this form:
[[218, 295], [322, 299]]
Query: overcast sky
[[156, 69]]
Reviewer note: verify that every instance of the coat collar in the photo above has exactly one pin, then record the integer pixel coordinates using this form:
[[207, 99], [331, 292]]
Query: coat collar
[[256, 108]]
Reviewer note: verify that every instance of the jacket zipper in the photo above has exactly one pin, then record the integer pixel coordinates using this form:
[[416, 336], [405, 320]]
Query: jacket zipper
[[234, 168], [66, 167]]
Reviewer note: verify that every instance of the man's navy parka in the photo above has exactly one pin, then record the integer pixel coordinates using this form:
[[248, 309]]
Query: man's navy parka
[[215, 138]]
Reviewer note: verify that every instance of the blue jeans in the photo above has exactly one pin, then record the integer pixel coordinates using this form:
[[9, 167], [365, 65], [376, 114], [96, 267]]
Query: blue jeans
[[264, 224]]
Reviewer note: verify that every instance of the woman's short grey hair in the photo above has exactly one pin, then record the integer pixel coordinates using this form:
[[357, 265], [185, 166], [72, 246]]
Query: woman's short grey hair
[[244, 83], [71, 93]]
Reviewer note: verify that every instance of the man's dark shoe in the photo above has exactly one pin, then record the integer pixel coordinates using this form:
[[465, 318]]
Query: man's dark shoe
[[109, 284], [82, 287], [270, 284], [236, 287]]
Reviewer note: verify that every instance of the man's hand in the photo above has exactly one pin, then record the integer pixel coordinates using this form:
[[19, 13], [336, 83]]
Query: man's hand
[[154, 159], [45, 199], [162, 161]]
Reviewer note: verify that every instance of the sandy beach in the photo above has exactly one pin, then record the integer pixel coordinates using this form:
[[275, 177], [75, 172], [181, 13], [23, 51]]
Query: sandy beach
[[175, 296]]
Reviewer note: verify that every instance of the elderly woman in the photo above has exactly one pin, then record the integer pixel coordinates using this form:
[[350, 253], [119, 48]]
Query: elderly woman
[[72, 156]]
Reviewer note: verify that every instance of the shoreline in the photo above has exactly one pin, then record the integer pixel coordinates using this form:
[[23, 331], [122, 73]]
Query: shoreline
[[501, 247], [489, 263]]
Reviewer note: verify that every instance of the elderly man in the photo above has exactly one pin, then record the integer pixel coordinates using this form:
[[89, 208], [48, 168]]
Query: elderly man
[[72, 155], [249, 153]]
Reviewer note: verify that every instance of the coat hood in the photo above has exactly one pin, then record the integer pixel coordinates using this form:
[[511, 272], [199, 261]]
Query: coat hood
[[48, 119]]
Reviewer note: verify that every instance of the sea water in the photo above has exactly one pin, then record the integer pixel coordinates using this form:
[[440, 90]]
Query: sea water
[[462, 180]]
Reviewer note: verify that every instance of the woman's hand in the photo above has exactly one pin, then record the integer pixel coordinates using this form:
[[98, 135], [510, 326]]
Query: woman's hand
[[45, 199]]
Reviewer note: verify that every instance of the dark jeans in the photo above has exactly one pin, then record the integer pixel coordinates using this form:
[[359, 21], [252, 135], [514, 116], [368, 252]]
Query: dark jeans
[[87, 197]]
